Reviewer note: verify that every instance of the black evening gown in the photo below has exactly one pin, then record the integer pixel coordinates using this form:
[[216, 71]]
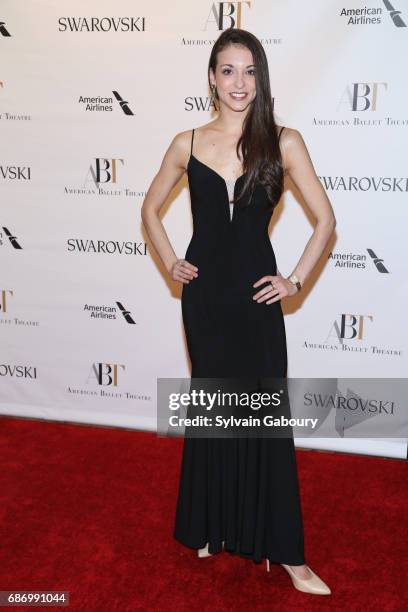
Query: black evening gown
[[240, 491]]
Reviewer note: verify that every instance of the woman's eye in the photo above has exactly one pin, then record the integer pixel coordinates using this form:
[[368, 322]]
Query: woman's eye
[[251, 71]]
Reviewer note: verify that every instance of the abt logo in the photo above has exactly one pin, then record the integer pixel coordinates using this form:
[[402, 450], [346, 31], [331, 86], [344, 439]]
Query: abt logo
[[362, 96], [3, 29], [226, 14], [3, 299], [104, 170], [349, 327], [106, 374]]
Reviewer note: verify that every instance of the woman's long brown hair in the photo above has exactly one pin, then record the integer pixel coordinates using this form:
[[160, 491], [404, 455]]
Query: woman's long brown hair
[[262, 159]]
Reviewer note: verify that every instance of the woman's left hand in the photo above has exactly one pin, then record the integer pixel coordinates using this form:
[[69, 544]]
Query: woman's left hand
[[281, 287]]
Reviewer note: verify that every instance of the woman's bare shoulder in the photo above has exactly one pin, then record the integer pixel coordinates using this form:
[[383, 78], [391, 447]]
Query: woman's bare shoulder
[[291, 141], [290, 136], [182, 140], [180, 146], [181, 143]]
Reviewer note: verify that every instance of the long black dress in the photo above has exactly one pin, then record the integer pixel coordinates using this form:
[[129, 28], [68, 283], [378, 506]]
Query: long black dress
[[241, 491]]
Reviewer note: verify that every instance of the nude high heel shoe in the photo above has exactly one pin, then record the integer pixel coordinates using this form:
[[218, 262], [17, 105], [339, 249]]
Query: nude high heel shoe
[[203, 552], [314, 584]]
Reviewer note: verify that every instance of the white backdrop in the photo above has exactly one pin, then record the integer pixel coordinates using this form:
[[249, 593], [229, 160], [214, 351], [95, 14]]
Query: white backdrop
[[89, 319]]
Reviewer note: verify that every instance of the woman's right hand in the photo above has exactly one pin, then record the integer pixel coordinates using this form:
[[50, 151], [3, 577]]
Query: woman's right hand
[[183, 271]]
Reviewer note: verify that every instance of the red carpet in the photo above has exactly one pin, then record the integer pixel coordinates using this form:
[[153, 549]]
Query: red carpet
[[90, 510]]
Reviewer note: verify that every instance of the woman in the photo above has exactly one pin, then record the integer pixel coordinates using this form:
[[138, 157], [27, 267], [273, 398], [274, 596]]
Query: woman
[[239, 495]]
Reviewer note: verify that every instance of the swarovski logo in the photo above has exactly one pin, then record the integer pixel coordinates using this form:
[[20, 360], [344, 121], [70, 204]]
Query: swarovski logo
[[365, 183], [103, 24], [15, 172]]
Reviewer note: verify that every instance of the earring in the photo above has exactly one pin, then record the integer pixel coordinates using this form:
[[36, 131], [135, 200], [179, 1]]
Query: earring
[[214, 94]]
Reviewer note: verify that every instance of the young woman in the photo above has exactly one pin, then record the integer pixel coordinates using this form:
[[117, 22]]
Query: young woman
[[239, 495]]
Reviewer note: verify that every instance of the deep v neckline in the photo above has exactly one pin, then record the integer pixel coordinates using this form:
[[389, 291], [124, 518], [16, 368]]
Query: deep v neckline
[[214, 171], [225, 183]]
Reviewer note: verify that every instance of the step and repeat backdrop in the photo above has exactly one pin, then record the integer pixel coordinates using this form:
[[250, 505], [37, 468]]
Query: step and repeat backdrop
[[91, 95]]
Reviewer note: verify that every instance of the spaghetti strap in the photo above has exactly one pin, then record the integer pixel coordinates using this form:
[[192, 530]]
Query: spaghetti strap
[[281, 133], [192, 138]]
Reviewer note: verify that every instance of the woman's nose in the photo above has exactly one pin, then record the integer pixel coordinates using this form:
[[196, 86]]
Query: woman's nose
[[239, 80]]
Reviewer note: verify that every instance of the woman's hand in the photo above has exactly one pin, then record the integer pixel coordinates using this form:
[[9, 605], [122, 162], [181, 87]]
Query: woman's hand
[[183, 271], [281, 287]]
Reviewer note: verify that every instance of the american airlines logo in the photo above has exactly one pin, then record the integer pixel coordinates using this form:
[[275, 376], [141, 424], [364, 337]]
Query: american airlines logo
[[358, 261], [395, 15], [123, 104], [125, 313], [373, 15], [7, 235], [105, 103], [109, 312], [3, 29], [377, 261]]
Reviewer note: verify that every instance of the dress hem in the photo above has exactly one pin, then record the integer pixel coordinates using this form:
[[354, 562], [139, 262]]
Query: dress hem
[[249, 556]]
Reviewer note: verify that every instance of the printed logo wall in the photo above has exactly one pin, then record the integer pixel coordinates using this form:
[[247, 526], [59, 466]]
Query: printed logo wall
[[91, 95]]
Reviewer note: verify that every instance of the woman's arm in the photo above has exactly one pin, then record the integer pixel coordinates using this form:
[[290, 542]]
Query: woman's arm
[[299, 167], [170, 172]]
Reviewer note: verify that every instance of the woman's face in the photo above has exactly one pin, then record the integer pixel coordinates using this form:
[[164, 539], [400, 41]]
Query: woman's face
[[235, 77]]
